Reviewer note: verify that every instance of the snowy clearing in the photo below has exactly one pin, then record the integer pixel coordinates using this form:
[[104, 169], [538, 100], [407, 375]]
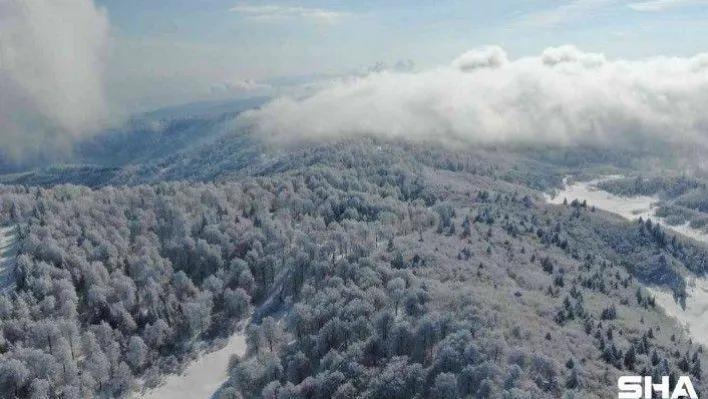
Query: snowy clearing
[[203, 377], [694, 316], [631, 208], [7, 257]]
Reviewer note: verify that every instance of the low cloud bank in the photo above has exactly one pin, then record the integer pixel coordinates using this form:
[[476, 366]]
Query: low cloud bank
[[563, 96], [51, 89]]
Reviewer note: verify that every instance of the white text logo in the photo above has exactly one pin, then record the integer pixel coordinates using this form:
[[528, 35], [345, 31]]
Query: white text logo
[[638, 387]]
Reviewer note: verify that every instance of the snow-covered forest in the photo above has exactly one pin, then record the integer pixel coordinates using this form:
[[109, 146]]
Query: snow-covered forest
[[236, 199], [359, 268]]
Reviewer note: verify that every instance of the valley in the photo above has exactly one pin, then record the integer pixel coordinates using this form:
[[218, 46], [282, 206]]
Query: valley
[[694, 313]]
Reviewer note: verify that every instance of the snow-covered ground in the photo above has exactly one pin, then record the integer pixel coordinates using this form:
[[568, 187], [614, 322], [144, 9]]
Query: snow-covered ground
[[695, 316], [203, 377], [631, 208], [7, 257]]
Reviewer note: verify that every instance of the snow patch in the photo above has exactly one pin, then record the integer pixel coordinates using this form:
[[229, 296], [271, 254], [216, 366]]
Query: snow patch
[[203, 378], [7, 257], [630, 208], [694, 316]]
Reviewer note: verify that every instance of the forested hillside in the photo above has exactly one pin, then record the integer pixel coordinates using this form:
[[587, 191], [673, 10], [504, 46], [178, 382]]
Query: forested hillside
[[313, 199], [141, 139], [365, 268]]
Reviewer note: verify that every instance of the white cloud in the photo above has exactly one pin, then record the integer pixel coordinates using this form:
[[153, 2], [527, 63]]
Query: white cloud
[[274, 13], [483, 57], [564, 14], [51, 89], [570, 54], [563, 96], [661, 5]]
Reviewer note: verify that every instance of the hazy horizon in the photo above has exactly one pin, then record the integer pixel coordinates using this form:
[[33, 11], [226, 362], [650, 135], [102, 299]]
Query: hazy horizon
[[502, 72]]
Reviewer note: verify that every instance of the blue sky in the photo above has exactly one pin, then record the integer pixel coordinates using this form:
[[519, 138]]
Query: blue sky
[[202, 43]]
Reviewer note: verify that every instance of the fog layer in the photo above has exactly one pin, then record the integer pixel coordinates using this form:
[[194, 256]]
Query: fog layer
[[563, 96], [51, 88]]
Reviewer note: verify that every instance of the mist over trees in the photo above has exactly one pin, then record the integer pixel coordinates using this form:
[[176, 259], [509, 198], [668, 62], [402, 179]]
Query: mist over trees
[[563, 96]]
